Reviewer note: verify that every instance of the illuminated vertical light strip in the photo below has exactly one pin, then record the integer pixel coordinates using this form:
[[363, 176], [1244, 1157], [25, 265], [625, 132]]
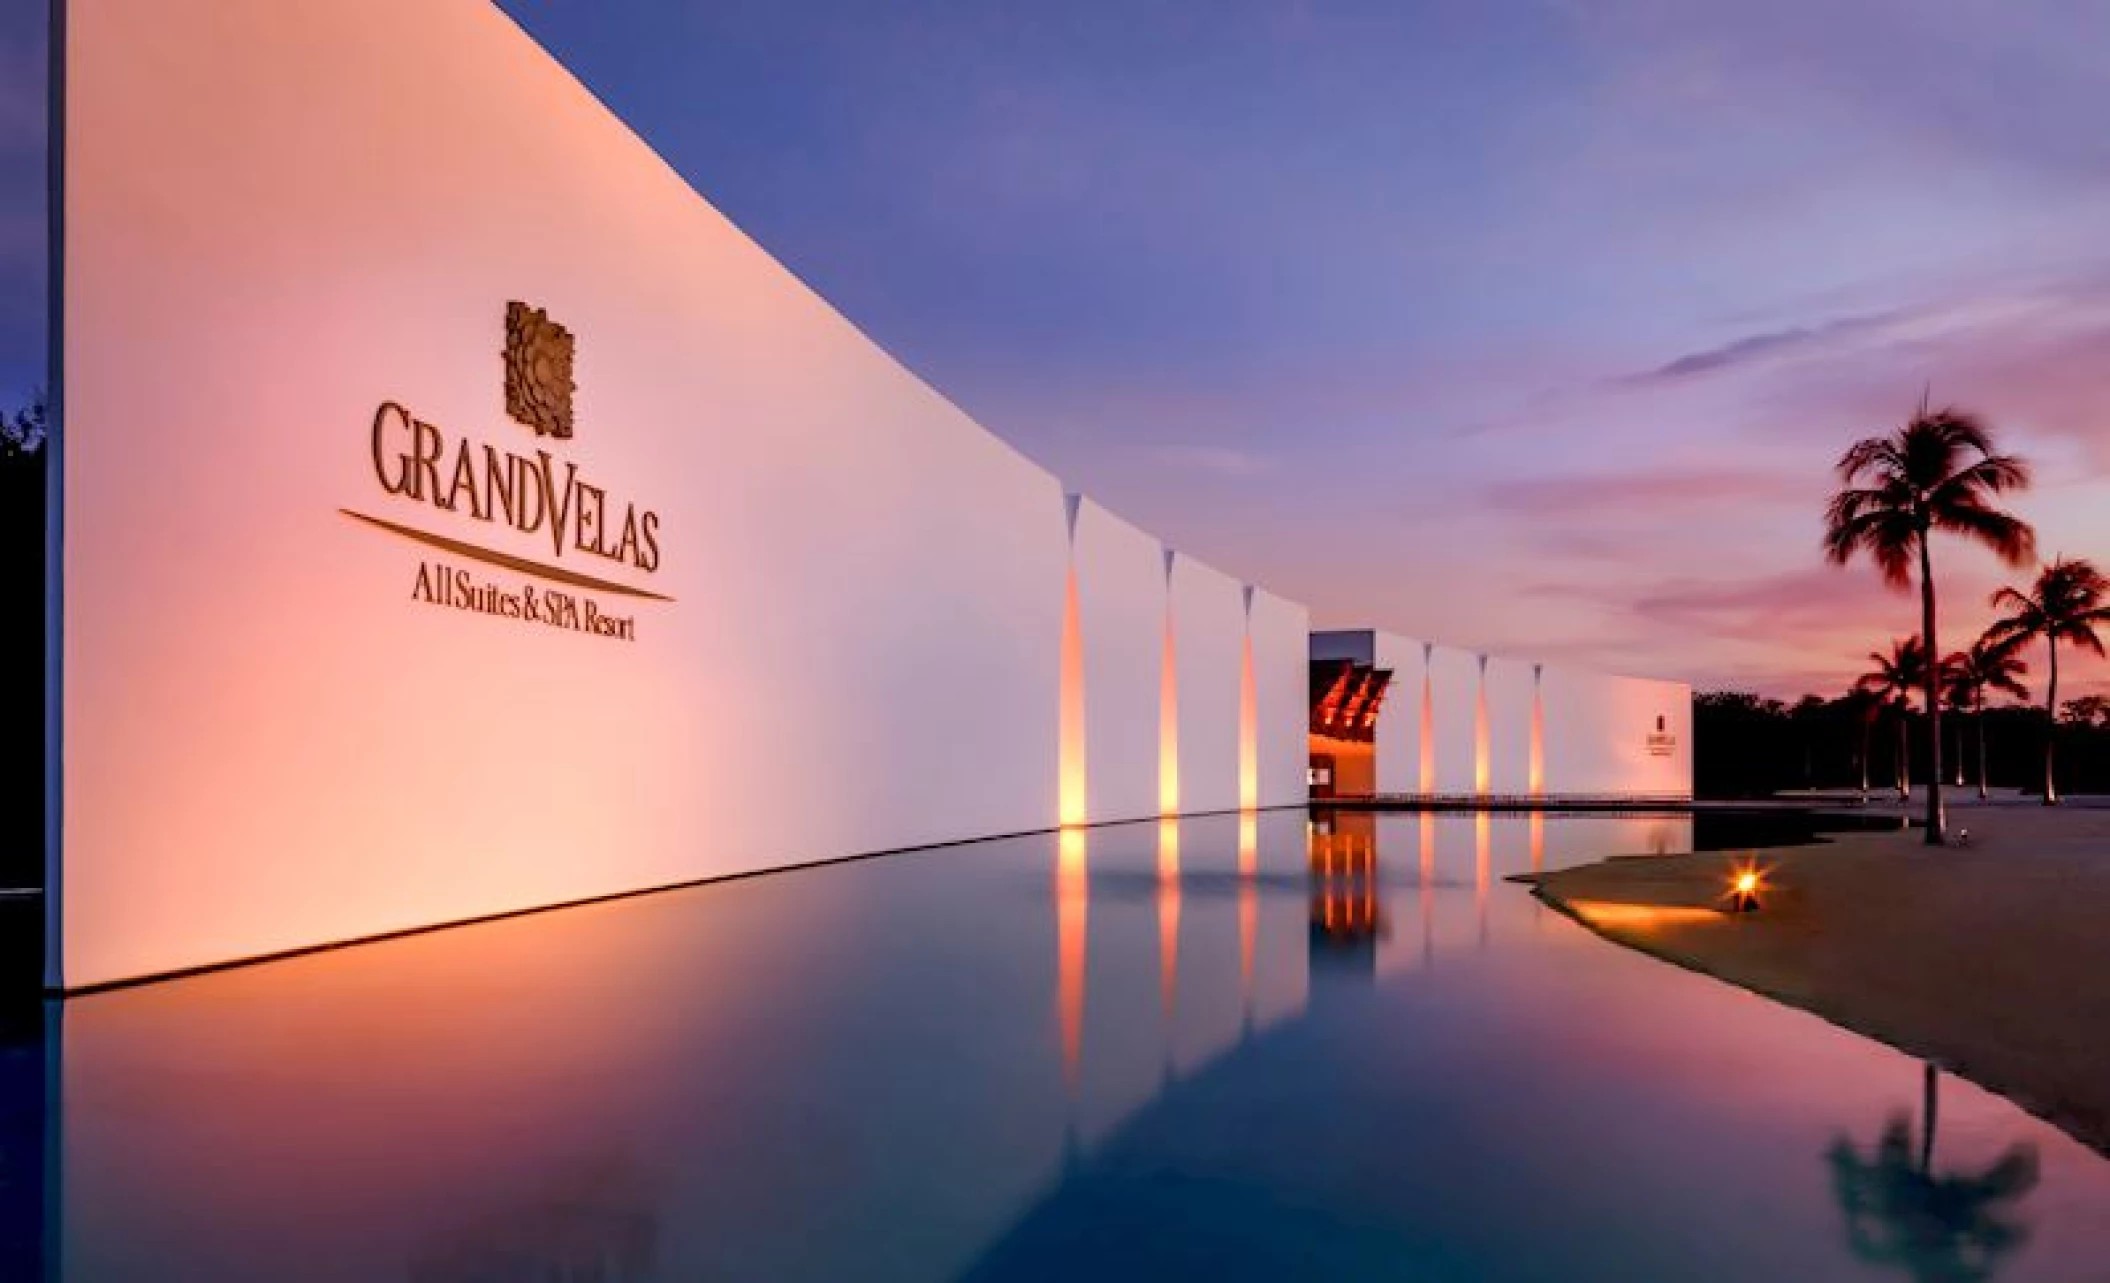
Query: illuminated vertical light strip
[[1428, 718], [1071, 807], [1168, 915], [1169, 709], [1248, 906], [1538, 730], [1248, 718], [1480, 745], [1072, 909]]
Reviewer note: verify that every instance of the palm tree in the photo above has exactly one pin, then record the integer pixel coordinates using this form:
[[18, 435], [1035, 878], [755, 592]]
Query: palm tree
[[1891, 684], [1938, 472], [1991, 664], [2066, 604]]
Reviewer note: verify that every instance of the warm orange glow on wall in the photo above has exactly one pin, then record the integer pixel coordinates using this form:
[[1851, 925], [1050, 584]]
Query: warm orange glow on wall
[[1428, 722], [1538, 734], [1168, 911], [1480, 745], [1070, 792], [1072, 909], [1248, 724], [1169, 713]]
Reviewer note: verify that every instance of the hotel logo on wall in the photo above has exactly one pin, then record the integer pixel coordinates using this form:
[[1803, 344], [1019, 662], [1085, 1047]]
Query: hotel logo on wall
[[1661, 743], [538, 371], [480, 489]]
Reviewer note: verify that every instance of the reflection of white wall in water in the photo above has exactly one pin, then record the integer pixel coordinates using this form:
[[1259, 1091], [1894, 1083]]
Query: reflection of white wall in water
[[279, 218]]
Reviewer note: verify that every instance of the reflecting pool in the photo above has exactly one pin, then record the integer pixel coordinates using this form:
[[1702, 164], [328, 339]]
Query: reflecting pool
[[1227, 1048]]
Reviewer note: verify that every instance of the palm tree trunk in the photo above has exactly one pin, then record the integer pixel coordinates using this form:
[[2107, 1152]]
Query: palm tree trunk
[[1937, 821], [2051, 723], [1980, 720], [1868, 730], [1904, 754], [1930, 1101]]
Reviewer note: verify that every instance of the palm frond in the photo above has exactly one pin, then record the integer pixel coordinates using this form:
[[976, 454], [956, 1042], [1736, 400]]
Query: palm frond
[[2010, 538]]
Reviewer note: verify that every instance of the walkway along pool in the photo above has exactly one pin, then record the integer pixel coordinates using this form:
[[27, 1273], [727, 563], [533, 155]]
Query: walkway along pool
[[1220, 1048]]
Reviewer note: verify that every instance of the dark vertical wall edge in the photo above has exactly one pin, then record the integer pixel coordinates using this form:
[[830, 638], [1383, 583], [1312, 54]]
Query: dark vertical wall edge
[[55, 507]]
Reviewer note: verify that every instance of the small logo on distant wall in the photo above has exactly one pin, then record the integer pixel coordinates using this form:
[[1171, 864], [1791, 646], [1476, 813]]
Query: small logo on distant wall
[[538, 371], [1661, 743]]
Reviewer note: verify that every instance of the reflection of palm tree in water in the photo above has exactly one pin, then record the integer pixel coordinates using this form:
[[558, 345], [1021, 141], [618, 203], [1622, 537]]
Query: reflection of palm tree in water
[[1939, 1228]]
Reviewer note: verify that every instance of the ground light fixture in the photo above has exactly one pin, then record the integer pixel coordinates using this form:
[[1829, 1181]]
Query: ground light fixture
[[1744, 886]]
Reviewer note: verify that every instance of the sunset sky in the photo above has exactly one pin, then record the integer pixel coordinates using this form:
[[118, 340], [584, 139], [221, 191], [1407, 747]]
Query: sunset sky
[[1531, 326]]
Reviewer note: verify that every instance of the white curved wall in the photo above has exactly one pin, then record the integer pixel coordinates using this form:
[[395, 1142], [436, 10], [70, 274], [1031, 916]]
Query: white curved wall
[[1209, 637], [1599, 735], [278, 218], [1281, 633], [1509, 726], [1455, 679], [1121, 581]]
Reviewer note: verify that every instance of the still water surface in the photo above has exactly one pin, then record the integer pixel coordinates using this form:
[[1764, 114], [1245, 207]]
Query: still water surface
[[1149, 1051]]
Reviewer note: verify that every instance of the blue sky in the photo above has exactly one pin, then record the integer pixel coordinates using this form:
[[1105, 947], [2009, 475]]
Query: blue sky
[[1532, 325]]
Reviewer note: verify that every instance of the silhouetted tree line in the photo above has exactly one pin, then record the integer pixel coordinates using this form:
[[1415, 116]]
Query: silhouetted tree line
[[1746, 745], [22, 636]]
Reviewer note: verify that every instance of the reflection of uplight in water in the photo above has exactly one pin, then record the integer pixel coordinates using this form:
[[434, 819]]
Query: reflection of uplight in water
[[1248, 904], [1168, 911], [1640, 917], [1483, 854], [1073, 893], [1428, 887]]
